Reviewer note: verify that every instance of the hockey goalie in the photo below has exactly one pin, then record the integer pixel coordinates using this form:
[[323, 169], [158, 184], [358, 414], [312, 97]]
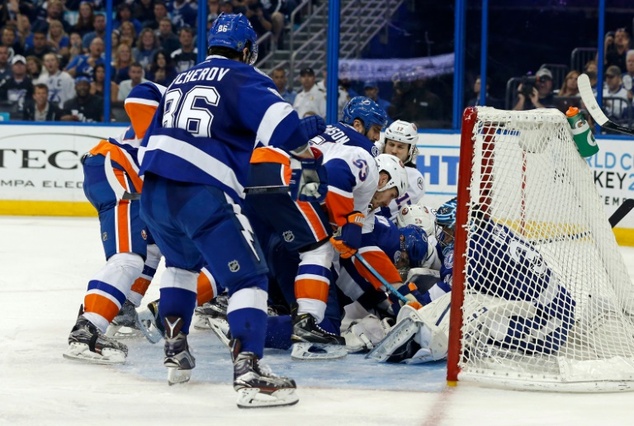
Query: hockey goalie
[[504, 312]]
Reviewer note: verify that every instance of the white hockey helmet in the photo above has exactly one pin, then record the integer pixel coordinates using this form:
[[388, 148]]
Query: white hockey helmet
[[394, 167], [419, 215], [404, 132]]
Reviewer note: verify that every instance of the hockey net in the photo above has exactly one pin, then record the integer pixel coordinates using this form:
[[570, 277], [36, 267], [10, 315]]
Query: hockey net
[[542, 298]]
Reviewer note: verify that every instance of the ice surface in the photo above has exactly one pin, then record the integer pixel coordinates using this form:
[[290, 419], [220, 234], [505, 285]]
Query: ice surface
[[46, 263]]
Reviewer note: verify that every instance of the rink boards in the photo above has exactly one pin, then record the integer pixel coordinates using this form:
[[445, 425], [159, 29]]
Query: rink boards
[[40, 173]]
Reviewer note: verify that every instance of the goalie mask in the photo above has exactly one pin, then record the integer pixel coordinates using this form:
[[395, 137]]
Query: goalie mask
[[398, 175], [234, 31], [446, 221], [403, 132], [419, 215]]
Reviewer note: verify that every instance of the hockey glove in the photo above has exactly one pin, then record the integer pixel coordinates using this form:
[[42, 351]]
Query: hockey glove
[[312, 126], [309, 180], [347, 239]]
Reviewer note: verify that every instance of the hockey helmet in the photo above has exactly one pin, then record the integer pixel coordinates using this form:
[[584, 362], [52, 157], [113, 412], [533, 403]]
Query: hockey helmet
[[417, 214], [366, 110], [235, 32], [394, 167], [404, 132], [446, 221], [413, 241]]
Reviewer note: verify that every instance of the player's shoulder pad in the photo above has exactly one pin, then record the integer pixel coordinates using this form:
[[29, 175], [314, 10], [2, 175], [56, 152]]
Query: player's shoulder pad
[[146, 93]]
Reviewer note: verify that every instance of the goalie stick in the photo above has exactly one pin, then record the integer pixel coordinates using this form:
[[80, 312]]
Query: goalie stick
[[585, 90]]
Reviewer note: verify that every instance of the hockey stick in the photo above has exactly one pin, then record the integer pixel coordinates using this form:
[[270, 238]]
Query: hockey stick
[[585, 90], [271, 189], [119, 191], [387, 285], [621, 212]]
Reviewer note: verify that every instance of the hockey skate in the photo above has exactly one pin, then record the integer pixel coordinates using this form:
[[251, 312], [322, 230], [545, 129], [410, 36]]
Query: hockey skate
[[214, 309], [150, 324], [126, 324], [311, 342], [86, 343], [256, 384], [178, 358]]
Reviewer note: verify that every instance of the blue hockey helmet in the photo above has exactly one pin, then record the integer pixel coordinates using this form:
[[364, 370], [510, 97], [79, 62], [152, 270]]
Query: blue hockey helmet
[[235, 32], [414, 243], [366, 110], [446, 214]]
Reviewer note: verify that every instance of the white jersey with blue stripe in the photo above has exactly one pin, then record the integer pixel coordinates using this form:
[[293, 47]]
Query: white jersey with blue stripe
[[210, 120]]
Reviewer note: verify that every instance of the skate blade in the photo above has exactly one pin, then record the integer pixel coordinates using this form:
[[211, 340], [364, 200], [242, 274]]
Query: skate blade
[[148, 328], [176, 376], [220, 327], [253, 398], [123, 332], [305, 351], [81, 352]]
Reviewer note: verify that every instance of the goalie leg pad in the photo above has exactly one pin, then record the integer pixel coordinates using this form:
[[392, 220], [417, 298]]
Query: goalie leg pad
[[307, 351]]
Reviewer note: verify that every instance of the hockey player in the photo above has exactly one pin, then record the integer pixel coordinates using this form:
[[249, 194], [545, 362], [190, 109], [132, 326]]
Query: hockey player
[[400, 140], [195, 158], [110, 176], [504, 311]]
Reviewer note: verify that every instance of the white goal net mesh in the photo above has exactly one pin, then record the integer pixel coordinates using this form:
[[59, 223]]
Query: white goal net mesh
[[548, 302]]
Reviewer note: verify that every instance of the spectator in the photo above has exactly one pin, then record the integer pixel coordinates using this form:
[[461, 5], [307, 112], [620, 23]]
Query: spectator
[[136, 75], [97, 85], [39, 108], [60, 83], [154, 20], [342, 96], [142, 9], [85, 64], [124, 14], [213, 10], [9, 39], [226, 6], [58, 40], [24, 33], [371, 90], [311, 100], [75, 47], [489, 100], [83, 107], [167, 39], [616, 46], [128, 34], [615, 99], [122, 61], [54, 11], [569, 86], [162, 70], [34, 70], [541, 96], [187, 56], [99, 24], [17, 88], [40, 46], [5, 67], [277, 9], [280, 78], [183, 12], [591, 69], [146, 48], [85, 19], [415, 103], [260, 21]]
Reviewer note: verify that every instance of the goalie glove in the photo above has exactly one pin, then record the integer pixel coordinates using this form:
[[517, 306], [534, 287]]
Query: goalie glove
[[347, 238], [309, 180]]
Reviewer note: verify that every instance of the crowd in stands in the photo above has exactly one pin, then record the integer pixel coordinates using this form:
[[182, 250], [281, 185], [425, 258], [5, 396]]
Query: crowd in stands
[[61, 44]]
